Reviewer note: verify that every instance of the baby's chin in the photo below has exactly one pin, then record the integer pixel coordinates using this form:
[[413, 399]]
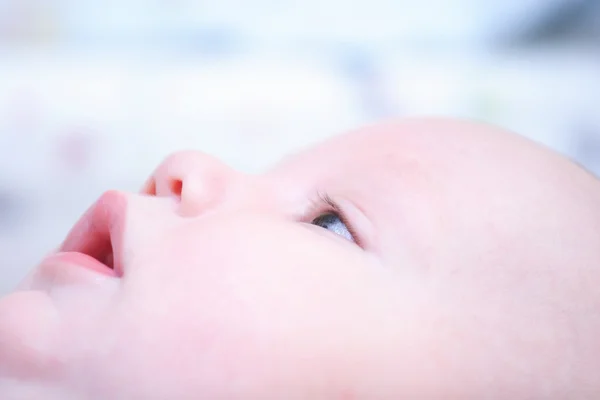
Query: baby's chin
[[40, 333], [29, 325]]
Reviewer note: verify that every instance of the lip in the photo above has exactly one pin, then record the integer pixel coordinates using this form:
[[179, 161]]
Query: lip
[[97, 231], [80, 260]]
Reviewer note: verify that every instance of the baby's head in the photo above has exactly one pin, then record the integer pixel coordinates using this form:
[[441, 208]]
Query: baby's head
[[422, 259]]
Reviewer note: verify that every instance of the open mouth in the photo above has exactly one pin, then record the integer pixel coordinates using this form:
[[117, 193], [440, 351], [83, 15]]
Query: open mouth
[[98, 234], [99, 247]]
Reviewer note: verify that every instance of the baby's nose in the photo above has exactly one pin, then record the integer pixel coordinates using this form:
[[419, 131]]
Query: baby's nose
[[194, 179]]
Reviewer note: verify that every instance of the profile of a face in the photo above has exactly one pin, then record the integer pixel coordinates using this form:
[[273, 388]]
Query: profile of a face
[[419, 259]]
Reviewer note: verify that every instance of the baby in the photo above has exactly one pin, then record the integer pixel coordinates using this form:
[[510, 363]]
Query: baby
[[420, 259]]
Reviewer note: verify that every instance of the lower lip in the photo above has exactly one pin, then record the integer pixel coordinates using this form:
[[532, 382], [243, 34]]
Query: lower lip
[[80, 260]]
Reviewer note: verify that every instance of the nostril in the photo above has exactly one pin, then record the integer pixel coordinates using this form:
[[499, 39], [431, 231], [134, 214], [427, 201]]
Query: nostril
[[177, 187], [150, 187]]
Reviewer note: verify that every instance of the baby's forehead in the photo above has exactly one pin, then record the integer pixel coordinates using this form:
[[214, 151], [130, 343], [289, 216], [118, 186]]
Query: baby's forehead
[[379, 168], [434, 163], [393, 150], [429, 146], [366, 151]]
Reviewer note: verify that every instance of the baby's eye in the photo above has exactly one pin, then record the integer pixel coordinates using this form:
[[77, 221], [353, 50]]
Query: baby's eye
[[334, 223]]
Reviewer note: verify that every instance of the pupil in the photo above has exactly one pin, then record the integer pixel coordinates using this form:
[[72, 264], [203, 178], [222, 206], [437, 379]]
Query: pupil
[[325, 220]]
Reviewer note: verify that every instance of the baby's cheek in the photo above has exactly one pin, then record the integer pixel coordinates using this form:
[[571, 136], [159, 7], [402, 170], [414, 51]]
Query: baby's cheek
[[230, 314], [215, 340], [172, 355], [224, 361]]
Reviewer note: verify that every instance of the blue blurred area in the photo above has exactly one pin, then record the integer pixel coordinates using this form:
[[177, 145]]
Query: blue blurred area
[[94, 94]]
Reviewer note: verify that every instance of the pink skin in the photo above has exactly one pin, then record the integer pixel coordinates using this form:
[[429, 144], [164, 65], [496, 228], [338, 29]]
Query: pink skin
[[474, 274]]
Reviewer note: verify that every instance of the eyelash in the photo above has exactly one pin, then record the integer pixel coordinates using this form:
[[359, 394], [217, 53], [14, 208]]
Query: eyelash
[[332, 207]]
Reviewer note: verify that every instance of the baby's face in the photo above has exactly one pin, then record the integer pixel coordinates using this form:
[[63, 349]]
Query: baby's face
[[454, 262]]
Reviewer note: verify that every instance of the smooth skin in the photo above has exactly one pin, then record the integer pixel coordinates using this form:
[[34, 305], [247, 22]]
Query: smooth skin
[[462, 262]]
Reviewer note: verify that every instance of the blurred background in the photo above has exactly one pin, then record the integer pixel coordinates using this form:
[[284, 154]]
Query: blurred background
[[93, 95]]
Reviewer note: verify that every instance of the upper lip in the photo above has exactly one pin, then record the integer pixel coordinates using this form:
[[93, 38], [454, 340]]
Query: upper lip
[[99, 232]]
